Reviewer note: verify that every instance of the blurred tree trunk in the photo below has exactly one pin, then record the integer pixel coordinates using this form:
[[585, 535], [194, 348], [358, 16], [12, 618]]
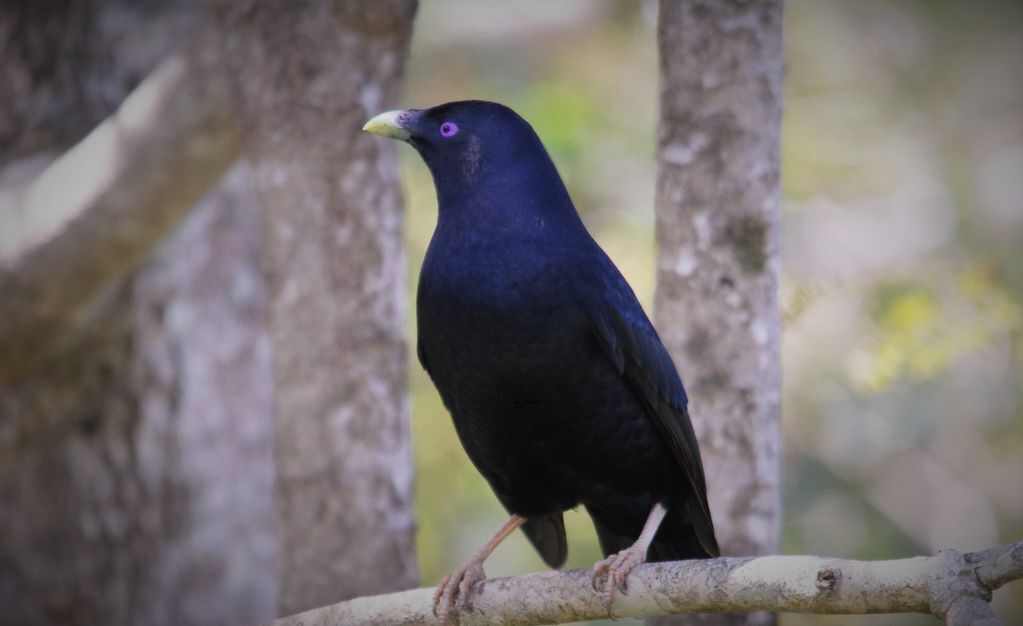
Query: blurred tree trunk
[[135, 461], [308, 75], [717, 228], [136, 467]]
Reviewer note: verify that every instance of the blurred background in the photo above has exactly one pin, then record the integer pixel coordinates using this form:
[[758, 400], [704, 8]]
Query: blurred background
[[902, 295], [902, 286]]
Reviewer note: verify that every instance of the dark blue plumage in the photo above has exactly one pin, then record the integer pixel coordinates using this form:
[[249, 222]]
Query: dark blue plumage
[[559, 387]]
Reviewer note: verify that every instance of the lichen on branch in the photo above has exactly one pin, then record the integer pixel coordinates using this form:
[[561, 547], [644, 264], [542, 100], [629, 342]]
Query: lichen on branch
[[952, 586]]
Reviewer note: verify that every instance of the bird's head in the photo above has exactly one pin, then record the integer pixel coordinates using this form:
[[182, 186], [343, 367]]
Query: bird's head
[[470, 146]]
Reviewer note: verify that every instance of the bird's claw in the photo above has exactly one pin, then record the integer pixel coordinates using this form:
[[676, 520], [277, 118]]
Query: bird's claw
[[611, 575], [456, 590]]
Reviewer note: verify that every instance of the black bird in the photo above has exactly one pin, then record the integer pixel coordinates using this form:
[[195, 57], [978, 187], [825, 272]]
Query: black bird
[[559, 387]]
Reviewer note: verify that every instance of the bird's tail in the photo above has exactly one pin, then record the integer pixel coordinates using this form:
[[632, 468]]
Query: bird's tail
[[547, 534]]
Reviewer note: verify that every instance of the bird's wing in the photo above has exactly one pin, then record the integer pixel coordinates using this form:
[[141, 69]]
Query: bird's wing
[[631, 342]]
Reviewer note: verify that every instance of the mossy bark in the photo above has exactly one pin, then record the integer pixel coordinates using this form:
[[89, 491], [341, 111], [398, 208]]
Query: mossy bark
[[135, 461], [307, 77], [137, 458], [718, 214]]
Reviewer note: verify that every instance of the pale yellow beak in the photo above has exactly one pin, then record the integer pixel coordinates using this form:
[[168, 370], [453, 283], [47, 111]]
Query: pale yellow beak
[[388, 124]]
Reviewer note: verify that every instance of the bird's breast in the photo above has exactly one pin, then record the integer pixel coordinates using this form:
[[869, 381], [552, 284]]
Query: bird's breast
[[538, 406], [512, 322], [518, 283], [497, 332]]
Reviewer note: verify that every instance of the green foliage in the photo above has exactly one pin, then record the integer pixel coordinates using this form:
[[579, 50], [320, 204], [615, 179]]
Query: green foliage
[[564, 117], [921, 331]]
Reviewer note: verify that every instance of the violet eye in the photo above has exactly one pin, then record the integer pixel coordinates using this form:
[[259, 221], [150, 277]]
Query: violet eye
[[447, 129]]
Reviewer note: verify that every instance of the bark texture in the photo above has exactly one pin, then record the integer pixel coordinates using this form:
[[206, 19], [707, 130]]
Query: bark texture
[[717, 205], [951, 586], [136, 464], [308, 75], [105, 203], [65, 66]]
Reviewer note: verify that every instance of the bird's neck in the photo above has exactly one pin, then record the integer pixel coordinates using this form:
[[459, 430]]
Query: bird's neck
[[525, 194]]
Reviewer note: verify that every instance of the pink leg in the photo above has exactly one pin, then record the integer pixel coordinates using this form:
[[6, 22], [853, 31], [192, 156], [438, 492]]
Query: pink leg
[[614, 570], [461, 581]]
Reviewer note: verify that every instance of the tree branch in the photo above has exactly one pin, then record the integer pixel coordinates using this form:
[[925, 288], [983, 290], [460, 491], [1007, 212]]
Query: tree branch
[[950, 585], [101, 207]]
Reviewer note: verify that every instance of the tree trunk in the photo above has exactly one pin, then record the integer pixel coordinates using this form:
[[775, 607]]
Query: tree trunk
[[135, 461], [136, 467], [308, 75], [717, 229]]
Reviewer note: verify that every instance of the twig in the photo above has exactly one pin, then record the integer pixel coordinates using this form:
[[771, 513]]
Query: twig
[[950, 585]]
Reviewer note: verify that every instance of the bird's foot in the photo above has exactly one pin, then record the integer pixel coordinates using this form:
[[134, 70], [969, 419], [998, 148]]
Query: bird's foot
[[611, 574], [455, 590]]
